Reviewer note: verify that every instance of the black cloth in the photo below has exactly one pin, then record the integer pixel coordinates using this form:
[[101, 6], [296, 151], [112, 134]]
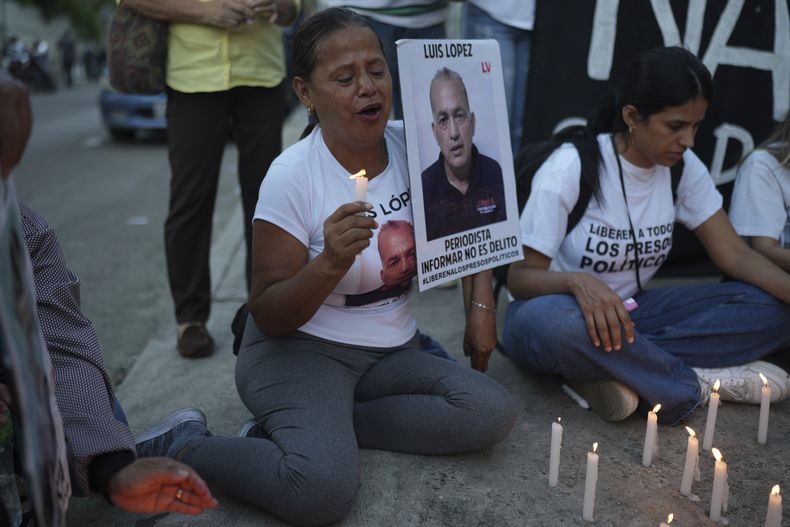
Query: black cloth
[[448, 211], [198, 127]]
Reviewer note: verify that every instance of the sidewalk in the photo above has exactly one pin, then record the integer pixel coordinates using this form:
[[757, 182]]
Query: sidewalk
[[503, 486]]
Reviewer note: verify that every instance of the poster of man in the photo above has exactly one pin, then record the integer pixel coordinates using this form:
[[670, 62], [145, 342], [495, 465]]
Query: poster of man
[[460, 162]]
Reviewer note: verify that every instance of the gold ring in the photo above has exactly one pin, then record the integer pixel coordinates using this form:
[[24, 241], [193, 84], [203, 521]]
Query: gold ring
[[179, 493]]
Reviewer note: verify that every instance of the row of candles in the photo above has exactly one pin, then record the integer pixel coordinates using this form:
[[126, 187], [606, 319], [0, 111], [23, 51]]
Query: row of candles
[[720, 493]]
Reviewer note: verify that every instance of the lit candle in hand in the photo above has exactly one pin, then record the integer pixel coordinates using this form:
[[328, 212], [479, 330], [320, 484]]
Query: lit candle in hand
[[589, 484], [651, 436], [554, 455], [669, 520], [765, 404], [710, 423], [690, 468], [361, 185], [774, 516], [719, 483]]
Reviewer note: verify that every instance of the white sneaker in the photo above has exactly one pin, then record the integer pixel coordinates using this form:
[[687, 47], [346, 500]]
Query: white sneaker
[[742, 384]]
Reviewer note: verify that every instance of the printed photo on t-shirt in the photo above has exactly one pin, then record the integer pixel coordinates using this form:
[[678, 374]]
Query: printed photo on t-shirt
[[397, 251]]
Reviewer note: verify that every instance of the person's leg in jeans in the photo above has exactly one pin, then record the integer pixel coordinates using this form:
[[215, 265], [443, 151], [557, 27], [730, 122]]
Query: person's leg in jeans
[[411, 401], [548, 334], [676, 328], [388, 35], [514, 46], [258, 115], [713, 325], [197, 128]]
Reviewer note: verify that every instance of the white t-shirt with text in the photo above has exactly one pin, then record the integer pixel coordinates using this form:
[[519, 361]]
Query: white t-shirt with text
[[601, 244], [304, 186]]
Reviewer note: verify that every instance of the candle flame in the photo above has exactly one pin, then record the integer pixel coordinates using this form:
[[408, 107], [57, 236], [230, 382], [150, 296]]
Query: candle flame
[[716, 385], [765, 381], [717, 454], [670, 518], [595, 447], [656, 408], [361, 173], [775, 490], [691, 432]]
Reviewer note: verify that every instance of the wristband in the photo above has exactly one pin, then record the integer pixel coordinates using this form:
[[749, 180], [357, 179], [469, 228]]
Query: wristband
[[483, 306]]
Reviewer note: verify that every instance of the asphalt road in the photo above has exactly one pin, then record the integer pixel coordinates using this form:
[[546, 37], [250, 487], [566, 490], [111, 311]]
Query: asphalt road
[[107, 202]]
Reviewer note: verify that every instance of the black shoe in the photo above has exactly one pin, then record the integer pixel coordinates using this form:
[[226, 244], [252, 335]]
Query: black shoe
[[172, 434], [195, 342]]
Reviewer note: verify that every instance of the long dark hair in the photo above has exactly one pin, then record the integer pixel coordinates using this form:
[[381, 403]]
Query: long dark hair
[[656, 79], [312, 33]]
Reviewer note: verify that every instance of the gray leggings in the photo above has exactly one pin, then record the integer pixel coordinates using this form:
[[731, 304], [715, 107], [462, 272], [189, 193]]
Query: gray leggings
[[321, 401]]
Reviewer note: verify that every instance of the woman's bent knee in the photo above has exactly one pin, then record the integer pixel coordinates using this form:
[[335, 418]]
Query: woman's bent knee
[[496, 414], [319, 493]]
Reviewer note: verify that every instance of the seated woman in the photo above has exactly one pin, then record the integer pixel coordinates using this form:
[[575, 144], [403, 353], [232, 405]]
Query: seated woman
[[760, 208], [569, 317], [329, 363]]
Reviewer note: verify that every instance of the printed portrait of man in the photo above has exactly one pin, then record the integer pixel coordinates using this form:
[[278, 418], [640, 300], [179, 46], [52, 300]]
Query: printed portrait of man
[[463, 189], [398, 255]]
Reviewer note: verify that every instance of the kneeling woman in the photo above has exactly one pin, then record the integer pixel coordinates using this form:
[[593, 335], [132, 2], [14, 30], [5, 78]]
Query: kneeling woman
[[569, 317], [330, 360]]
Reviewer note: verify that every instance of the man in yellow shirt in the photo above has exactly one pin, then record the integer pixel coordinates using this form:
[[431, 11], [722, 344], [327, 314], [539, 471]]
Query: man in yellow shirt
[[224, 74]]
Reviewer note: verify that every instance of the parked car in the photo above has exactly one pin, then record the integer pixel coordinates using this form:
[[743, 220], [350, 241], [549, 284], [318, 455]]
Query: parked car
[[123, 114]]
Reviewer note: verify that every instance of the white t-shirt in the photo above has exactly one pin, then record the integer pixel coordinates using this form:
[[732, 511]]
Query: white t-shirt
[[761, 198], [601, 244], [513, 13], [306, 184], [409, 14]]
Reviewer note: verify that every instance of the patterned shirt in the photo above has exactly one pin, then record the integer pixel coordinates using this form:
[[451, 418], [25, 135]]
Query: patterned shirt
[[82, 387]]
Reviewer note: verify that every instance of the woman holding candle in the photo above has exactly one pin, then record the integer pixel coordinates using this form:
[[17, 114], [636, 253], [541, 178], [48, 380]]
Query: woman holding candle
[[569, 317], [324, 368]]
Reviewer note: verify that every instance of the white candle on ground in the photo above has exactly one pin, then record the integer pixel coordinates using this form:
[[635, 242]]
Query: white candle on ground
[[361, 185], [669, 520], [589, 484], [774, 516], [719, 484], [554, 455], [765, 404], [710, 423], [651, 436], [692, 456]]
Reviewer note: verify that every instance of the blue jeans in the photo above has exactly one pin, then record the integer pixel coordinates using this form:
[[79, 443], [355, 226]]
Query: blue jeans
[[707, 326], [514, 45], [388, 35]]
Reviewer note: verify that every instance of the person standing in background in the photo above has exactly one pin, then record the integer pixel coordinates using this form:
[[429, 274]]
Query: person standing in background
[[225, 69], [393, 20], [509, 22], [68, 52]]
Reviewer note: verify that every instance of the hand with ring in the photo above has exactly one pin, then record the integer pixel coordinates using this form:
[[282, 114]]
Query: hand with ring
[[158, 484]]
